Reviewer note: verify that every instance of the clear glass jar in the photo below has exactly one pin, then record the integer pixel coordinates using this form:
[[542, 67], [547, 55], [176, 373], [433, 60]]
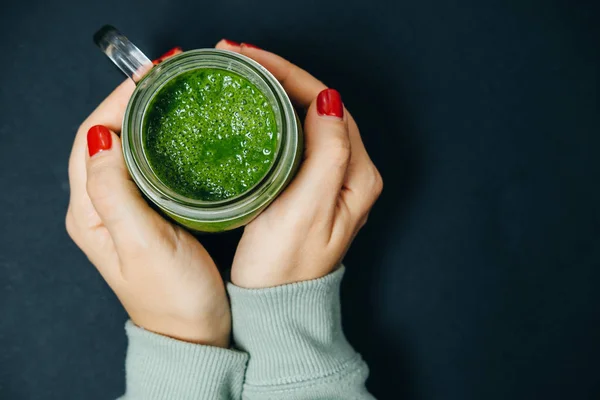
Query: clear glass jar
[[207, 216]]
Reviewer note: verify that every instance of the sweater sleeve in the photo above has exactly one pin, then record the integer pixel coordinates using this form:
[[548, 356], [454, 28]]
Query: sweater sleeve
[[161, 368], [293, 335]]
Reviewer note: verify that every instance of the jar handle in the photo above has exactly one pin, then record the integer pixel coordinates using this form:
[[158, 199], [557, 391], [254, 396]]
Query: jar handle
[[122, 52]]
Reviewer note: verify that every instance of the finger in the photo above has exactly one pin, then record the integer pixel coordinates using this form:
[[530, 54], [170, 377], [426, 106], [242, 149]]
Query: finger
[[173, 52], [110, 114], [326, 155], [83, 214], [363, 184], [301, 86], [130, 221]]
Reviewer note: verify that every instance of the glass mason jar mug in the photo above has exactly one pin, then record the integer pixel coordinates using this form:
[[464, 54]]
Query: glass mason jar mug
[[195, 214]]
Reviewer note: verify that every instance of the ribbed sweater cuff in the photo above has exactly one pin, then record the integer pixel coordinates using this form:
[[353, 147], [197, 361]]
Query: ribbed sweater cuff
[[293, 333], [158, 367]]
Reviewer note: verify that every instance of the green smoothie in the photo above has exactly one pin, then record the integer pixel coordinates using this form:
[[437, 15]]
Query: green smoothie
[[210, 134]]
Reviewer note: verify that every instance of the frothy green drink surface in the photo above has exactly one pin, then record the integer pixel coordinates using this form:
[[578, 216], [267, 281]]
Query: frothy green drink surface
[[210, 134]]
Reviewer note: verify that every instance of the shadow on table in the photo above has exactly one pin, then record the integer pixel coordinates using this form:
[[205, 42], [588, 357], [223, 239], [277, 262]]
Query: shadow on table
[[386, 128]]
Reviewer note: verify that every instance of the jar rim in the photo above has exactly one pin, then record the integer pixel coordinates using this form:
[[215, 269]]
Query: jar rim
[[256, 197]]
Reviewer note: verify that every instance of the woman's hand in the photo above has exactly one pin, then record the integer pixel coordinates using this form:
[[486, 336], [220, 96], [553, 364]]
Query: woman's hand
[[165, 279], [305, 233]]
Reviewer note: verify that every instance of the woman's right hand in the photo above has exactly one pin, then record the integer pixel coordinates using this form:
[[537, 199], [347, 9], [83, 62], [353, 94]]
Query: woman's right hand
[[164, 277], [305, 233]]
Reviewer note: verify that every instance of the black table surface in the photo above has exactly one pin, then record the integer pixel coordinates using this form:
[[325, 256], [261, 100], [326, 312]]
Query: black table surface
[[476, 276]]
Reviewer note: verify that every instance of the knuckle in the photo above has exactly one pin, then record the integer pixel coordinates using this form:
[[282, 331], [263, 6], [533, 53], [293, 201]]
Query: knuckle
[[377, 183], [372, 191], [339, 151], [98, 185], [372, 188], [101, 184]]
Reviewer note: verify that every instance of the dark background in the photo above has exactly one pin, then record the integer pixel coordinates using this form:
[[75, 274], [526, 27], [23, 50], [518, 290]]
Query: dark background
[[476, 275]]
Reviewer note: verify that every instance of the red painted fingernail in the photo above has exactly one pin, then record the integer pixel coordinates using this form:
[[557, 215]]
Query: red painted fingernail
[[174, 51], [250, 46], [231, 42], [99, 139], [329, 102]]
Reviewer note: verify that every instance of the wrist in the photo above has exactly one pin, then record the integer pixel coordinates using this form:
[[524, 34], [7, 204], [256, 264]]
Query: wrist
[[209, 331], [276, 274]]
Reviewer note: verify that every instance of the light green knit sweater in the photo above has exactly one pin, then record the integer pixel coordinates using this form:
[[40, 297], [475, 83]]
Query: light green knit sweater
[[289, 345]]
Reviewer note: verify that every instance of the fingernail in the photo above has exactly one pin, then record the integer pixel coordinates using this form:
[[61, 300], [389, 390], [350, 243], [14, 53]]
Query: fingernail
[[329, 102], [250, 46], [99, 139], [231, 43], [170, 53]]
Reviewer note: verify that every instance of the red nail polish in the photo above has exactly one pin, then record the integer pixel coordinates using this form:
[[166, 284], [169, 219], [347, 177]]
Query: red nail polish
[[329, 102], [99, 139], [250, 46], [174, 51], [231, 43]]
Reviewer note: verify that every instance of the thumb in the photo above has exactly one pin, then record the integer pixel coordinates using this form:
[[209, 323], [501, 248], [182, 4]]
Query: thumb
[[326, 154], [130, 221]]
